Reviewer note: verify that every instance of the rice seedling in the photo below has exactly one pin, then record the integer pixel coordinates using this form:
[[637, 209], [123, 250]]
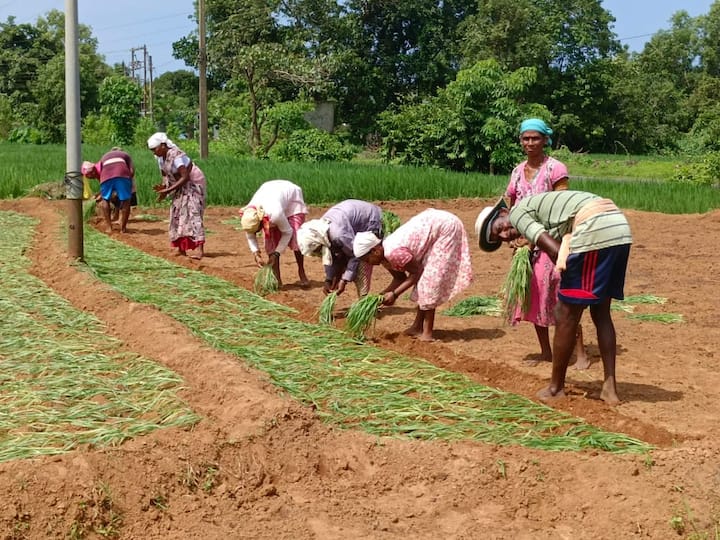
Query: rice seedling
[[644, 299], [665, 318], [390, 222], [265, 281], [64, 382], [515, 290], [620, 306], [362, 314], [350, 385], [476, 305], [325, 313]]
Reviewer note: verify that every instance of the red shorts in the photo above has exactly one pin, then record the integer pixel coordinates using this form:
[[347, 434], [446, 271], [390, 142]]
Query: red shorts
[[594, 276], [272, 236]]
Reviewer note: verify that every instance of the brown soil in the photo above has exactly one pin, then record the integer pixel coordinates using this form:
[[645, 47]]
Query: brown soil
[[260, 465]]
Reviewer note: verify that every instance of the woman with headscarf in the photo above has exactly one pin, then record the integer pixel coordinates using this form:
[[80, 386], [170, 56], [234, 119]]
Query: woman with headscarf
[[540, 173], [185, 183], [331, 237], [278, 210], [431, 251]]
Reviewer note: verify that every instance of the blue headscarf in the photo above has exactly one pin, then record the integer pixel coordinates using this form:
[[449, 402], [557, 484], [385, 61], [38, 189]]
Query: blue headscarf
[[535, 124]]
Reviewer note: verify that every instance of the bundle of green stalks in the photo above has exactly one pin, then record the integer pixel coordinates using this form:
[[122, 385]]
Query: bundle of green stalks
[[362, 314], [327, 306], [265, 281], [476, 305], [515, 290], [390, 222]]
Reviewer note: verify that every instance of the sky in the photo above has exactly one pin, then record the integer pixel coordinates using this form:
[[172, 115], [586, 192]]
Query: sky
[[123, 25]]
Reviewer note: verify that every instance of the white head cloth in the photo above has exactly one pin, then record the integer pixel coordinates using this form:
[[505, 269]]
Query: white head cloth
[[313, 235], [158, 138], [364, 242]]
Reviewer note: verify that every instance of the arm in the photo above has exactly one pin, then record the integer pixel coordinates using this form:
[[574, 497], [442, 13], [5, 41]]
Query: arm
[[184, 177], [282, 223], [402, 281], [549, 245]]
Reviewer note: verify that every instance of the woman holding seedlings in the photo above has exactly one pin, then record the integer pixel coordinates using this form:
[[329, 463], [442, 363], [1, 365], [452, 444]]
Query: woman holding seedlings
[[540, 173], [331, 237], [185, 183], [431, 252], [278, 209]]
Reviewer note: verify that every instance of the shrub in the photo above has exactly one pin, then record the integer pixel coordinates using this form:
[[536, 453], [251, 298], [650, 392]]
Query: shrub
[[312, 145]]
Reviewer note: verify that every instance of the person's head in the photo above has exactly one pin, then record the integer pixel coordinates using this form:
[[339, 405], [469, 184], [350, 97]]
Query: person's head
[[535, 136], [493, 227], [90, 170], [368, 247], [251, 219], [158, 143], [313, 241]]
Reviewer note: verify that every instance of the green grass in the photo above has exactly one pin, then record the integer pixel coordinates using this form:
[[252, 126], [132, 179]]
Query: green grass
[[63, 381], [232, 181], [348, 384]]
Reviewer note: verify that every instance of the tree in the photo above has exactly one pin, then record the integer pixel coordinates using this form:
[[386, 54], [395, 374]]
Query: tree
[[471, 125], [121, 98]]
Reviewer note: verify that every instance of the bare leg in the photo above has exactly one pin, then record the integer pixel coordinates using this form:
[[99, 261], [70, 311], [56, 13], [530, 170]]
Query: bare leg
[[543, 335], [124, 215], [417, 326], [607, 343], [200, 252], [300, 260], [276, 270], [567, 317], [105, 209], [581, 359], [427, 325]]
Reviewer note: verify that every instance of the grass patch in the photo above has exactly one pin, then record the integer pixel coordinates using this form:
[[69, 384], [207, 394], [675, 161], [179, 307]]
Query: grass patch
[[63, 381], [350, 385], [476, 305], [665, 318]]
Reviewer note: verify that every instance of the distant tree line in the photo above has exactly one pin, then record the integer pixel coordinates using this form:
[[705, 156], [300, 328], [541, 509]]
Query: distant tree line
[[431, 82]]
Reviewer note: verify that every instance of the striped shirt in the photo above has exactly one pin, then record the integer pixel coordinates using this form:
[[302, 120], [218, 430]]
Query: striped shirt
[[553, 213]]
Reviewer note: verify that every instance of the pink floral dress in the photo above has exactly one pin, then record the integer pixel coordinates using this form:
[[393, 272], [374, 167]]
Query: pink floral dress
[[186, 229], [435, 239], [545, 279]]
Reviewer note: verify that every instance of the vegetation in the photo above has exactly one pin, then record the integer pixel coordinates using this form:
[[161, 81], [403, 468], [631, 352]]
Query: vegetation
[[351, 385], [233, 180], [443, 84]]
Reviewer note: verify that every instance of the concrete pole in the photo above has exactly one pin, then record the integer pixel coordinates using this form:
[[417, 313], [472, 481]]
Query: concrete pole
[[202, 68], [73, 177]]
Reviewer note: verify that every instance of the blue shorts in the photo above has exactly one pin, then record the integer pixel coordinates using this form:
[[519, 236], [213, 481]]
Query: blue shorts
[[594, 276], [122, 186]]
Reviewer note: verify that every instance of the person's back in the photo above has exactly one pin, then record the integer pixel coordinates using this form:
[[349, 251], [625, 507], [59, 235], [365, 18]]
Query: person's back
[[116, 164]]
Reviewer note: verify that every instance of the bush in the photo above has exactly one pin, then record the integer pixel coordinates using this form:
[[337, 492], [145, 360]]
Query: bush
[[704, 170], [26, 135], [312, 145]]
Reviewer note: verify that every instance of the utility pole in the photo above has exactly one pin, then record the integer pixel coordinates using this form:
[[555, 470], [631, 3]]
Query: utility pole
[[141, 77], [73, 176], [202, 68], [151, 87]]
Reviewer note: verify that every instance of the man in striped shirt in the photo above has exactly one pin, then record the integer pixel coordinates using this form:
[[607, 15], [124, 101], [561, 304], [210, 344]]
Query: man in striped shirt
[[589, 238]]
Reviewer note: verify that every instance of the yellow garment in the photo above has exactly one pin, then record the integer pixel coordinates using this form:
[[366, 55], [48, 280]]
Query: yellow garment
[[87, 192]]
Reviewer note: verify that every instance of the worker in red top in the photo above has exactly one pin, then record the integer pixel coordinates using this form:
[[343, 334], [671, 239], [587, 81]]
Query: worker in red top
[[116, 173]]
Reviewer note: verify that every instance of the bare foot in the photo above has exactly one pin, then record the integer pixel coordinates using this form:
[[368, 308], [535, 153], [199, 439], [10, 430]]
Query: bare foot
[[536, 360], [197, 257], [181, 252], [304, 283], [412, 331], [608, 393], [423, 337], [582, 363], [546, 394]]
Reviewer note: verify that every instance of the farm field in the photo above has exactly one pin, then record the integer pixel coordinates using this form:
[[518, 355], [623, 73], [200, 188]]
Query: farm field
[[262, 465]]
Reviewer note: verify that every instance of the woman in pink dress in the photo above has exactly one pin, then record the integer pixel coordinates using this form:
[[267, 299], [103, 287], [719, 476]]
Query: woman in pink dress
[[540, 173], [185, 182], [431, 249]]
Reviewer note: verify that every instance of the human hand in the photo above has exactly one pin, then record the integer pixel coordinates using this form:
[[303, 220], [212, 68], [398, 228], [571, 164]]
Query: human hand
[[341, 286], [259, 259], [389, 298], [519, 242], [273, 258]]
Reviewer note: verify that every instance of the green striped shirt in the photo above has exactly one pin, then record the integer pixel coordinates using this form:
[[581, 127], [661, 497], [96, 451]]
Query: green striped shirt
[[553, 212]]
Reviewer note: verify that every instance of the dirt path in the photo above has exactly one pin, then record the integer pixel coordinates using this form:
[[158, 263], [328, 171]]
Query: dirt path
[[262, 466]]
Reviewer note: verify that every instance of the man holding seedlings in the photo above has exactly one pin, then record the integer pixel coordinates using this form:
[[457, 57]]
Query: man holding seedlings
[[589, 239]]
